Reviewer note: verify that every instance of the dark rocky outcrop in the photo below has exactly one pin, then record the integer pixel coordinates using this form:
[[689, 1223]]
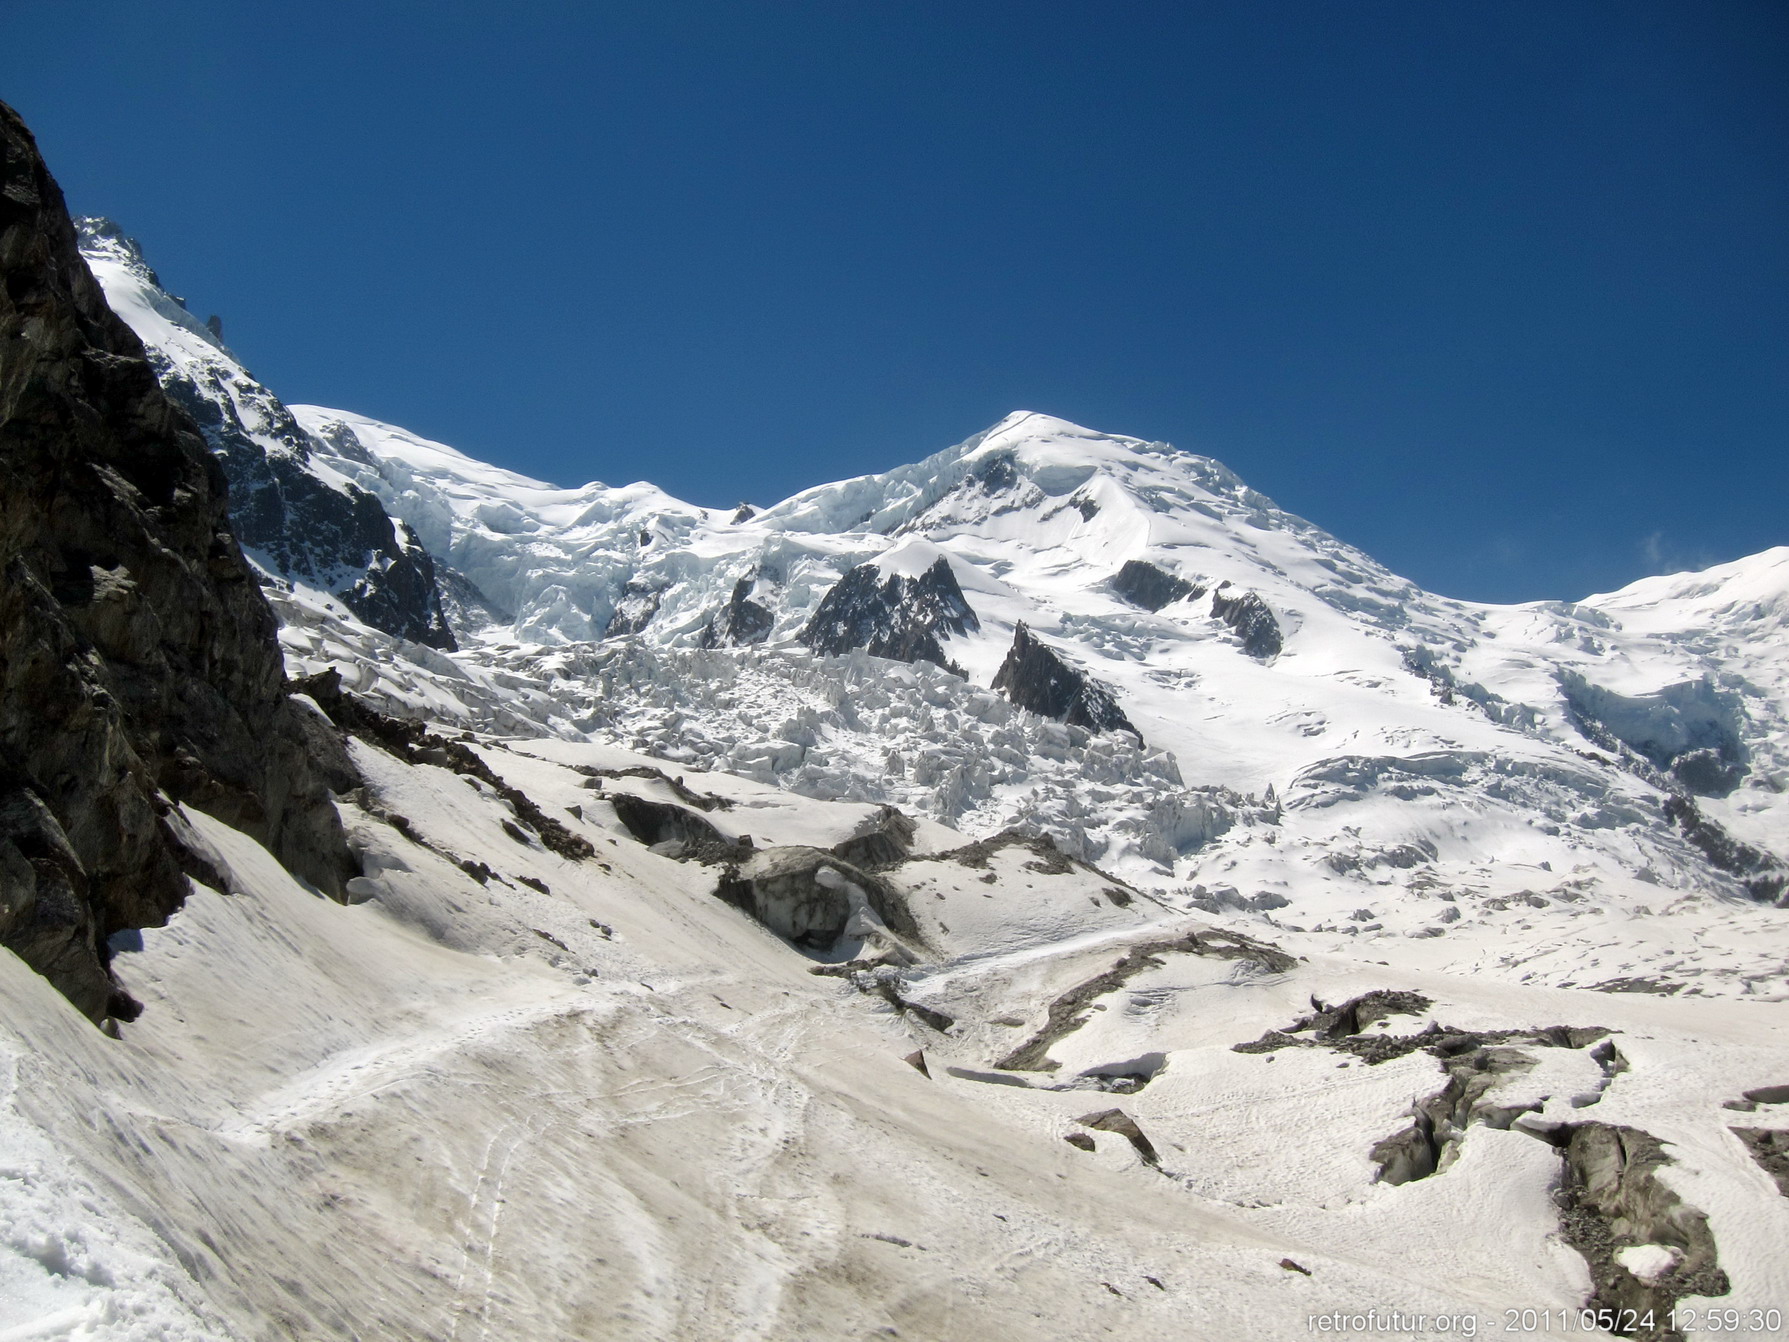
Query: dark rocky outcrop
[[1357, 1013], [1344, 1028], [1439, 1121], [892, 616], [1035, 677], [1249, 616], [808, 895], [882, 840], [138, 661], [1117, 1121], [1143, 584], [638, 605], [333, 535], [995, 474], [675, 831], [740, 623], [1751, 1099]]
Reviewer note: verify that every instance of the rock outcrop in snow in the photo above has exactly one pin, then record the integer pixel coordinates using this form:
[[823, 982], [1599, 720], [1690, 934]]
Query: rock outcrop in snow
[[1151, 587], [1035, 677], [894, 615], [1248, 615], [740, 623]]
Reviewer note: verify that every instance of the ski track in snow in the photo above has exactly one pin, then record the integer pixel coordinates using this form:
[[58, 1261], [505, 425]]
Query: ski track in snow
[[362, 1073]]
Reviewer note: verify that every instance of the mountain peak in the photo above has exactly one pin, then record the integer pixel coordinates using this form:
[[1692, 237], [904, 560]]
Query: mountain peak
[[137, 294]]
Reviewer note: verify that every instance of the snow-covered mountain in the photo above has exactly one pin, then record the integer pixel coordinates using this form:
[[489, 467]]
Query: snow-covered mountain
[[1112, 641], [1042, 891], [1265, 668], [298, 518]]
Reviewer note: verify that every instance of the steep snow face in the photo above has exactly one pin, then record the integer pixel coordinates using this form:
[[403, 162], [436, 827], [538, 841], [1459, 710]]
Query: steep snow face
[[299, 517], [559, 564]]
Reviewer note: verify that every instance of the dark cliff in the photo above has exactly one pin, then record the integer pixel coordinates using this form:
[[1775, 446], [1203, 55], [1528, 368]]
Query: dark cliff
[[138, 661], [741, 622], [1035, 677], [1144, 584], [891, 615], [1252, 620]]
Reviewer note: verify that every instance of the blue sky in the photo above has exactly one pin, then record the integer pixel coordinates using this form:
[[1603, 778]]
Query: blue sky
[[1497, 291]]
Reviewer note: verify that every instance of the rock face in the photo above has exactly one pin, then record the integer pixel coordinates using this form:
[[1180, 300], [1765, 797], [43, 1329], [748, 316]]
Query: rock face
[[638, 603], [892, 616], [1143, 584], [1116, 1120], [1035, 677], [302, 523], [138, 661], [1249, 616], [741, 622], [883, 840]]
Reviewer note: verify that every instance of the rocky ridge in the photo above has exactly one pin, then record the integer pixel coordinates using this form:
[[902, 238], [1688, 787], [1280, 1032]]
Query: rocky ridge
[[299, 519]]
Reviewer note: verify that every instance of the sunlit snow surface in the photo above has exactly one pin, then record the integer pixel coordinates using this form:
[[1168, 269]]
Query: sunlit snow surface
[[620, 1109], [617, 1108]]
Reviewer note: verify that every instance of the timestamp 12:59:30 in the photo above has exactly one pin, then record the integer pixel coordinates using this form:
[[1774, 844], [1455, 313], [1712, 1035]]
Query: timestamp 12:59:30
[[1736, 1322]]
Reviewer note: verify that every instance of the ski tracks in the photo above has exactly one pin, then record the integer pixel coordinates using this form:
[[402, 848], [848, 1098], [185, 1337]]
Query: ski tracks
[[354, 1074]]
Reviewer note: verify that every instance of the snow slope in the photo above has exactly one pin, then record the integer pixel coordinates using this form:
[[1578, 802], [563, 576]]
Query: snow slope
[[588, 1099]]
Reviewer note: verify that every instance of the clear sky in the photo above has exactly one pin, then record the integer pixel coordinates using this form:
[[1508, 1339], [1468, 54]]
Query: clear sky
[[1497, 291]]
